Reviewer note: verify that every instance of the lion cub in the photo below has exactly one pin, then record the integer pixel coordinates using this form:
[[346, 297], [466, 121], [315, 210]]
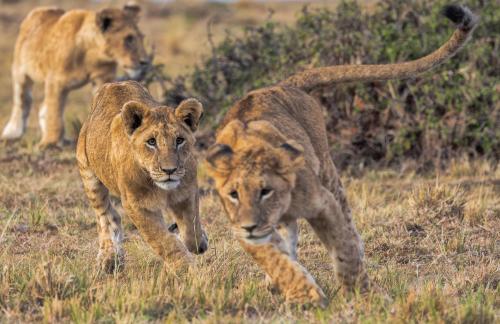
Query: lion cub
[[65, 50], [272, 166], [142, 152]]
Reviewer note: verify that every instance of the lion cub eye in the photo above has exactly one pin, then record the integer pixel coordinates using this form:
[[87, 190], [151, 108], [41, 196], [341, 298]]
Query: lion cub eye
[[266, 193], [151, 142], [129, 40], [234, 194], [179, 141]]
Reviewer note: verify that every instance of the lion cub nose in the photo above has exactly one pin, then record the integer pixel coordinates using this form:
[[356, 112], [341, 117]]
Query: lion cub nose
[[249, 228], [169, 171]]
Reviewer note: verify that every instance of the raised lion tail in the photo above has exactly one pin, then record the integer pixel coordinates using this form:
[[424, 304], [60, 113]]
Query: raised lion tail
[[465, 22]]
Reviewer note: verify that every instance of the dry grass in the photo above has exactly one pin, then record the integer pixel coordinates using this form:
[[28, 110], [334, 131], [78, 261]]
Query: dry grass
[[431, 242], [431, 246]]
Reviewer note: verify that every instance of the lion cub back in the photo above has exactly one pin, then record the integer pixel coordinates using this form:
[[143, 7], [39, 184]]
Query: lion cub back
[[35, 26], [40, 19]]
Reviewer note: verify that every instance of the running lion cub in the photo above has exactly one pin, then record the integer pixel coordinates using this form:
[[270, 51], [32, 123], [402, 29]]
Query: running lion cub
[[272, 165], [142, 152]]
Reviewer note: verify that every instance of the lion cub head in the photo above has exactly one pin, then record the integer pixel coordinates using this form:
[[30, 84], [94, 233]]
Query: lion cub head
[[254, 168], [122, 40], [162, 139]]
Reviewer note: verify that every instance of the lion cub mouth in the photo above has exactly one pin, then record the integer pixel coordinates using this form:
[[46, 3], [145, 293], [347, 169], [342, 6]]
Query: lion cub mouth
[[257, 239], [168, 184], [252, 239]]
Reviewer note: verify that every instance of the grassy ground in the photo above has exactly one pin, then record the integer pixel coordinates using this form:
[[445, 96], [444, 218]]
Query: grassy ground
[[432, 242], [431, 246]]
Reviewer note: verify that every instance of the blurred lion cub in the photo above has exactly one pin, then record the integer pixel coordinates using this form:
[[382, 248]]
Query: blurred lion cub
[[65, 51]]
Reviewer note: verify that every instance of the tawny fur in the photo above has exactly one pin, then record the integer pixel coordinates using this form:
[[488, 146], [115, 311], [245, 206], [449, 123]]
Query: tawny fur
[[115, 156], [272, 166], [65, 51]]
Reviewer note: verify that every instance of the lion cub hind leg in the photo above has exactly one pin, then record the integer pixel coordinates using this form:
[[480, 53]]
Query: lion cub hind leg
[[297, 285], [22, 101], [110, 256], [337, 232], [156, 233]]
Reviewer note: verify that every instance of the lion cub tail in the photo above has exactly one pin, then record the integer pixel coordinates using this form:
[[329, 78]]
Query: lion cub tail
[[465, 22]]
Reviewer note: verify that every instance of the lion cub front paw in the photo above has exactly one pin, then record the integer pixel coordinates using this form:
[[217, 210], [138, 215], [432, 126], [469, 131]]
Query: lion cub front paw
[[109, 262], [271, 287], [181, 264], [306, 293], [49, 146]]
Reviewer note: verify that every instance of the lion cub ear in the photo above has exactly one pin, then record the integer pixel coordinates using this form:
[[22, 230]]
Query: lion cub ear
[[219, 158], [132, 10], [189, 112], [292, 154], [133, 114], [230, 134], [104, 19]]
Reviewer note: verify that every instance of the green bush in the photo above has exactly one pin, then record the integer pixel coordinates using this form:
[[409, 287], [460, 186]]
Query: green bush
[[452, 110]]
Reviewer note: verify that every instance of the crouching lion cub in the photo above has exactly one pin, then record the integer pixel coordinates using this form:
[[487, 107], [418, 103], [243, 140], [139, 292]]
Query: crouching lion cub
[[271, 164], [142, 152]]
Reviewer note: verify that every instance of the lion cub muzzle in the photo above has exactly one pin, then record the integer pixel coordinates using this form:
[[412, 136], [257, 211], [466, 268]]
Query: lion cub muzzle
[[139, 71], [253, 233], [169, 178]]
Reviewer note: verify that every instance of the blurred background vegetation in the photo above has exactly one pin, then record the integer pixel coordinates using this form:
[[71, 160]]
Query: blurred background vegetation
[[218, 51], [177, 29], [451, 111]]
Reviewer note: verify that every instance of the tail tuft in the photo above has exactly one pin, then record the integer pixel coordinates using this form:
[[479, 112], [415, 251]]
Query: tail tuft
[[461, 16]]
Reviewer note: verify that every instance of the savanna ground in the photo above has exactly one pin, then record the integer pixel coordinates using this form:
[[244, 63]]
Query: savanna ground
[[432, 242]]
